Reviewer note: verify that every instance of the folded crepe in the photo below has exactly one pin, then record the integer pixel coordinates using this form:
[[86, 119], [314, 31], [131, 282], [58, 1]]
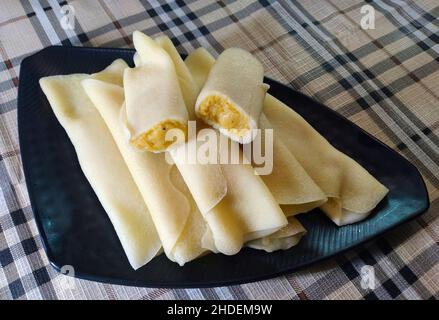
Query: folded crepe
[[289, 183], [102, 162], [233, 214], [149, 120], [174, 212], [352, 192], [232, 97]]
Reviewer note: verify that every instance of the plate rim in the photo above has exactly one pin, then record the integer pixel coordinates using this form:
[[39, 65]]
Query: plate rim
[[207, 284]]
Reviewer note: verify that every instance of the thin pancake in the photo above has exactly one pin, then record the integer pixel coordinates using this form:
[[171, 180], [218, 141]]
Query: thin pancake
[[289, 183], [175, 215], [240, 215], [102, 162], [351, 190]]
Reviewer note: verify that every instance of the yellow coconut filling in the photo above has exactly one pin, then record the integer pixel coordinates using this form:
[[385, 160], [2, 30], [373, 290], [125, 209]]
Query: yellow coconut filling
[[155, 138], [219, 110]]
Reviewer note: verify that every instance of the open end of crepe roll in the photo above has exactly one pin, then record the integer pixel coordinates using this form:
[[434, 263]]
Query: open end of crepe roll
[[153, 99], [232, 97], [221, 111], [155, 138]]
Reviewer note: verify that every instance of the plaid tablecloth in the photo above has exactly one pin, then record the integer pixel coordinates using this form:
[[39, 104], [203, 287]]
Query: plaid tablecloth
[[386, 80]]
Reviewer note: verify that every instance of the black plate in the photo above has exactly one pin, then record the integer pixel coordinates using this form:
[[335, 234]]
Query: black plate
[[76, 230]]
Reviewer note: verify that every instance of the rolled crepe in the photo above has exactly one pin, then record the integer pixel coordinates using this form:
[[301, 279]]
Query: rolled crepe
[[351, 191], [283, 239], [173, 210], [233, 215], [289, 183], [232, 97], [154, 102], [207, 182], [102, 163], [239, 216]]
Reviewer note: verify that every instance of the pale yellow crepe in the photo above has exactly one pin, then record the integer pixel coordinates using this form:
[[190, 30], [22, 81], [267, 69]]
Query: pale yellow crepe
[[206, 181], [173, 210], [199, 62], [288, 182], [240, 215], [136, 60], [234, 215], [291, 186], [232, 97], [154, 102], [351, 190], [102, 162]]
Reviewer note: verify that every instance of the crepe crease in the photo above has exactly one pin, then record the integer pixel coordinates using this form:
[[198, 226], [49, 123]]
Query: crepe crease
[[352, 192], [102, 163]]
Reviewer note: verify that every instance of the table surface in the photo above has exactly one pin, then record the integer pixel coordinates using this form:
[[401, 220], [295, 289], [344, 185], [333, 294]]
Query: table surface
[[385, 79]]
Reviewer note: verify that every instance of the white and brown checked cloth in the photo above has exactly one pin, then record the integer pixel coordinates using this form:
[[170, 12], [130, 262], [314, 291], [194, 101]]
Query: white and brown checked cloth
[[386, 80]]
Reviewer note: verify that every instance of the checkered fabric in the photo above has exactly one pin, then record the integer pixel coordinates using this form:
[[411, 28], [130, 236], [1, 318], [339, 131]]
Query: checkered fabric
[[386, 80]]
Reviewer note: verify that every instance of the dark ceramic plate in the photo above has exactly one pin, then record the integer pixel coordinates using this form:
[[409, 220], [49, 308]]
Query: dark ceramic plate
[[76, 230]]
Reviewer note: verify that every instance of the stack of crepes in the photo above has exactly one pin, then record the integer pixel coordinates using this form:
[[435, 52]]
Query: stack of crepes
[[117, 120]]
